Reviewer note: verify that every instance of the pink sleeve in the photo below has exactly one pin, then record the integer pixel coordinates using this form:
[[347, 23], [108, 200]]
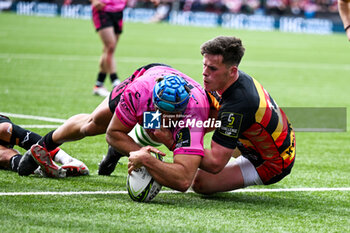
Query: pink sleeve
[[195, 145], [126, 108]]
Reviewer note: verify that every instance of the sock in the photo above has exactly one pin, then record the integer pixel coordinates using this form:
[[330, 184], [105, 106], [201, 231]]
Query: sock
[[113, 77], [100, 79], [23, 138], [62, 157], [47, 142], [14, 161]]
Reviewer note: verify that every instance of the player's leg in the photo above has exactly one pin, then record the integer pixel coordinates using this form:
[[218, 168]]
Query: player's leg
[[107, 62], [75, 128], [12, 134], [70, 166], [117, 19], [109, 40], [113, 72], [237, 174], [79, 126], [9, 158], [228, 179], [73, 166]]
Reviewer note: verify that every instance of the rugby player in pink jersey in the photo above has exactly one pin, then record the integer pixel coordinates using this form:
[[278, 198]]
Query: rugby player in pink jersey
[[150, 88], [107, 16]]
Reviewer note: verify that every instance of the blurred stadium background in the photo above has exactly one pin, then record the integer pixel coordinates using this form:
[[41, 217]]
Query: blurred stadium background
[[310, 16]]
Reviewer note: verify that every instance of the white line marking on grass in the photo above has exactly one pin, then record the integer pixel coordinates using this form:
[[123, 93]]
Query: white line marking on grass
[[181, 61], [319, 130], [48, 119], [40, 126], [291, 190], [172, 191]]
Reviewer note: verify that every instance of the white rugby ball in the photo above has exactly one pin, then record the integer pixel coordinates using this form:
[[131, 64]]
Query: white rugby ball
[[140, 184]]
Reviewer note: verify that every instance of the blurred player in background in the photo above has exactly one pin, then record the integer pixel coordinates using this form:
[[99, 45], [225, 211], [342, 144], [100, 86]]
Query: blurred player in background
[[253, 128], [12, 134], [107, 16], [344, 12], [154, 88]]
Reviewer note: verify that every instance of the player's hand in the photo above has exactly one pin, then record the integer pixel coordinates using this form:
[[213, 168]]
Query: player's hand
[[150, 149], [136, 158], [97, 4]]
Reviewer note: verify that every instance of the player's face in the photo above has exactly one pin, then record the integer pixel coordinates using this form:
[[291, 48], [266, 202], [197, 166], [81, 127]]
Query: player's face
[[216, 75]]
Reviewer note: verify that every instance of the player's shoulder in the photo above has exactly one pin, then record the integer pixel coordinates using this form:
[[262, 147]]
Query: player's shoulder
[[240, 90], [241, 94]]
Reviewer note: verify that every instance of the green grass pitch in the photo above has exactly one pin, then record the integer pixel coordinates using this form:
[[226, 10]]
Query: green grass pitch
[[48, 68]]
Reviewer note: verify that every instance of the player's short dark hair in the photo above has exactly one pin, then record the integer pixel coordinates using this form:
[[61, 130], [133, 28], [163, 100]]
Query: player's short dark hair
[[229, 47]]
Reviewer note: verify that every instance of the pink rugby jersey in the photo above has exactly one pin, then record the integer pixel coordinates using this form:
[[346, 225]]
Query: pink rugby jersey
[[136, 98], [113, 5]]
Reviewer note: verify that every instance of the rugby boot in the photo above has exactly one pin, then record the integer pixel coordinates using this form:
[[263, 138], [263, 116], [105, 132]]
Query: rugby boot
[[75, 168], [101, 91], [27, 164], [43, 159], [108, 163]]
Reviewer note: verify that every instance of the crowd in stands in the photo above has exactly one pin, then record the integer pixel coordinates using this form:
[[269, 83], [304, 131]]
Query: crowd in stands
[[307, 8]]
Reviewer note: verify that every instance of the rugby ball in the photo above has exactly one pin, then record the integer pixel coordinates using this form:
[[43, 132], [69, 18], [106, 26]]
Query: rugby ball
[[140, 184]]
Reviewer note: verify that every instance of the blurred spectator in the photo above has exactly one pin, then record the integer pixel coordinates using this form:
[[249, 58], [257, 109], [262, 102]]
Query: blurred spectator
[[250, 6], [295, 7], [276, 7], [163, 9], [327, 6], [67, 2], [233, 6], [309, 8], [216, 6]]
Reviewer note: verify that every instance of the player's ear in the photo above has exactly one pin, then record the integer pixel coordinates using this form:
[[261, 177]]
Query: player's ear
[[233, 70]]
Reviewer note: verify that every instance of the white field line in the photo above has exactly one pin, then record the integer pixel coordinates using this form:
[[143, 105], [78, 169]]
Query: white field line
[[182, 61], [173, 192], [40, 126], [40, 118], [319, 130]]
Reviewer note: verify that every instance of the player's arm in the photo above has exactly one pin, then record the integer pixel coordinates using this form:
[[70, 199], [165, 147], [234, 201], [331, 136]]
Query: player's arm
[[344, 12], [122, 122], [97, 4], [117, 136], [224, 140], [216, 158], [177, 175]]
